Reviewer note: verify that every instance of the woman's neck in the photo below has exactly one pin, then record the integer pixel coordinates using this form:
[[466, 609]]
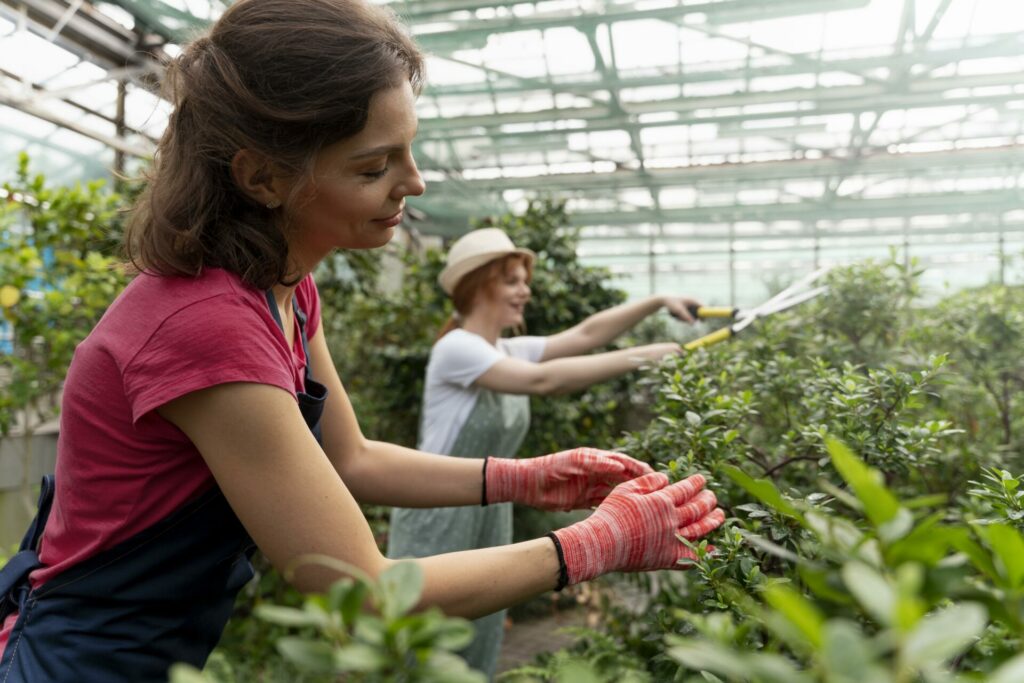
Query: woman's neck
[[283, 295], [481, 324]]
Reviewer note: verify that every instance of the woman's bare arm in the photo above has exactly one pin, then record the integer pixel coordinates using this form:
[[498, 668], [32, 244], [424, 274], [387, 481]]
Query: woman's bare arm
[[293, 503]]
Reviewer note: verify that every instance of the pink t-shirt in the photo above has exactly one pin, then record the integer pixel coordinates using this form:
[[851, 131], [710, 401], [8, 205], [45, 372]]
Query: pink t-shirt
[[120, 466]]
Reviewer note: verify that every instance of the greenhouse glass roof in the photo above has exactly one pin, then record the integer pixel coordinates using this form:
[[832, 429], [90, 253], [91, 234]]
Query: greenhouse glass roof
[[707, 146]]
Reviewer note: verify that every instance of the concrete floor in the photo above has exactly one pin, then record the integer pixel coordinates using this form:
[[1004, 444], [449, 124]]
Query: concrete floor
[[526, 639]]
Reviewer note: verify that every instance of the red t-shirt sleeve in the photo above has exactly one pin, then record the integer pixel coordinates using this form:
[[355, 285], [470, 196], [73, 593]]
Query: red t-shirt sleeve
[[215, 341]]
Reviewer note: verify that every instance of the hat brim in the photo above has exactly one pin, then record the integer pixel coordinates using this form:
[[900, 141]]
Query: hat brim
[[451, 274]]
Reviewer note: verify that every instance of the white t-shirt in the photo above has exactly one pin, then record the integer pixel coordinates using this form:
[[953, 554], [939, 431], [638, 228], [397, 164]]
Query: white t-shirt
[[456, 361]]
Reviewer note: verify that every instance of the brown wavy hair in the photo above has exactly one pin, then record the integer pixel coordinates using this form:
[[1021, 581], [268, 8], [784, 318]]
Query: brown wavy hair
[[481, 279], [283, 78]]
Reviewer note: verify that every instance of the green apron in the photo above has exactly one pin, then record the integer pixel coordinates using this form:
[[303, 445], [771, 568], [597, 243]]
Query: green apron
[[496, 427]]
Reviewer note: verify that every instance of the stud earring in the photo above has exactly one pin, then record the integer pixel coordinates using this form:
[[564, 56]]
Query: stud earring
[[273, 203]]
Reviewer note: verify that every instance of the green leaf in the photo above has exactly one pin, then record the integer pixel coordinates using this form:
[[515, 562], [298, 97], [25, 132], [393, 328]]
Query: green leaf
[[941, 635], [1008, 546], [897, 527], [454, 634], [289, 616], [977, 555], [798, 611], [818, 582], [925, 501], [401, 586], [835, 532], [359, 657], [352, 602], [872, 590], [1011, 671], [575, 671], [699, 655], [763, 490], [311, 655], [703, 655], [444, 667], [767, 546], [371, 629], [928, 543], [183, 673], [879, 503], [846, 652]]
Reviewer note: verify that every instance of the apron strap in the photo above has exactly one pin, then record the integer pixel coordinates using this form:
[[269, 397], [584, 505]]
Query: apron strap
[[14, 574], [300, 315], [311, 399], [47, 488]]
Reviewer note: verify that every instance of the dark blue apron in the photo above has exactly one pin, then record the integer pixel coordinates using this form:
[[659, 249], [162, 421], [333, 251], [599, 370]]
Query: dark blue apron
[[128, 613]]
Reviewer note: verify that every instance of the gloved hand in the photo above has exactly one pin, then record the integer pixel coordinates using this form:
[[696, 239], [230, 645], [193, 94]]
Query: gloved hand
[[569, 480], [635, 528]]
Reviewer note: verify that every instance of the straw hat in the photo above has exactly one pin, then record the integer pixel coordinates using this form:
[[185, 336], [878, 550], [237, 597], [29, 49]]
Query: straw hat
[[473, 250]]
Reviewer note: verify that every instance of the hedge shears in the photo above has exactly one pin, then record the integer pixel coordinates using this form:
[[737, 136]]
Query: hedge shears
[[797, 293]]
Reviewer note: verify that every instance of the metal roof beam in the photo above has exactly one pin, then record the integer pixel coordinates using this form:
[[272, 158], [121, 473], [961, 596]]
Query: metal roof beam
[[39, 93], [809, 233], [85, 29], [475, 31], [822, 100], [975, 223], [990, 202], [1001, 160], [29, 106], [170, 22], [990, 46]]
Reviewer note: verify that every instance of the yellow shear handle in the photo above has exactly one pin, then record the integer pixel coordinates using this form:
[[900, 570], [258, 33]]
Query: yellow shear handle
[[703, 312], [709, 339], [716, 312]]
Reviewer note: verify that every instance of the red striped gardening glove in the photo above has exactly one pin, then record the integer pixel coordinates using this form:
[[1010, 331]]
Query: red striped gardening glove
[[570, 480], [635, 528]]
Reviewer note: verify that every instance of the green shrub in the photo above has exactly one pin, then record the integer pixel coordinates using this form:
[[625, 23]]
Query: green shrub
[[59, 255], [902, 563], [363, 630], [887, 593]]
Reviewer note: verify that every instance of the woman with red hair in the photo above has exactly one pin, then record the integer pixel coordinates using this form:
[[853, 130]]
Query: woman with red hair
[[476, 396]]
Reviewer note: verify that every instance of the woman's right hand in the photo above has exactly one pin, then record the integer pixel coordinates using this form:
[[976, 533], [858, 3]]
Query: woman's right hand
[[655, 352], [635, 528]]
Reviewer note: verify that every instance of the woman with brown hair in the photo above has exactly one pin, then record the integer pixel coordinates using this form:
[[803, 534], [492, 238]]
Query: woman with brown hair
[[476, 395], [203, 416]]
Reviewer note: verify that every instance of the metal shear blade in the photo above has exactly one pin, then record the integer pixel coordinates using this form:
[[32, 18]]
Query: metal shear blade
[[776, 307], [787, 298]]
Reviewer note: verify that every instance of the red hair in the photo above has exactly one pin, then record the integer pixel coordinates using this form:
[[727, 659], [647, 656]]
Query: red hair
[[478, 280]]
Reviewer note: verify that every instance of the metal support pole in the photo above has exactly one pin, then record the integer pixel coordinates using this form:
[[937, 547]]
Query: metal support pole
[[813, 225], [651, 265], [906, 244], [119, 124], [732, 264], [1002, 250]]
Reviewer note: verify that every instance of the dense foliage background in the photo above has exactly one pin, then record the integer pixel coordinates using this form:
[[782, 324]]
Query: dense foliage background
[[59, 263], [867, 452]]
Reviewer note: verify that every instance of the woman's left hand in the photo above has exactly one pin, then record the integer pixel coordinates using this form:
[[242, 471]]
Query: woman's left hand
[[679, 307], [569, 480]]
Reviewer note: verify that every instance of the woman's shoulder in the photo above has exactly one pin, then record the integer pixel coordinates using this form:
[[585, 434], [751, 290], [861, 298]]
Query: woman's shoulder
[[459, 341], [209, 282], [460, 357], [212, 299]]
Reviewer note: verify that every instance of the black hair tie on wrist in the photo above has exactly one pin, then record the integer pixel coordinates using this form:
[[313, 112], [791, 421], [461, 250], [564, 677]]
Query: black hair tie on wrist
[[563, 571], [483, 488]]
